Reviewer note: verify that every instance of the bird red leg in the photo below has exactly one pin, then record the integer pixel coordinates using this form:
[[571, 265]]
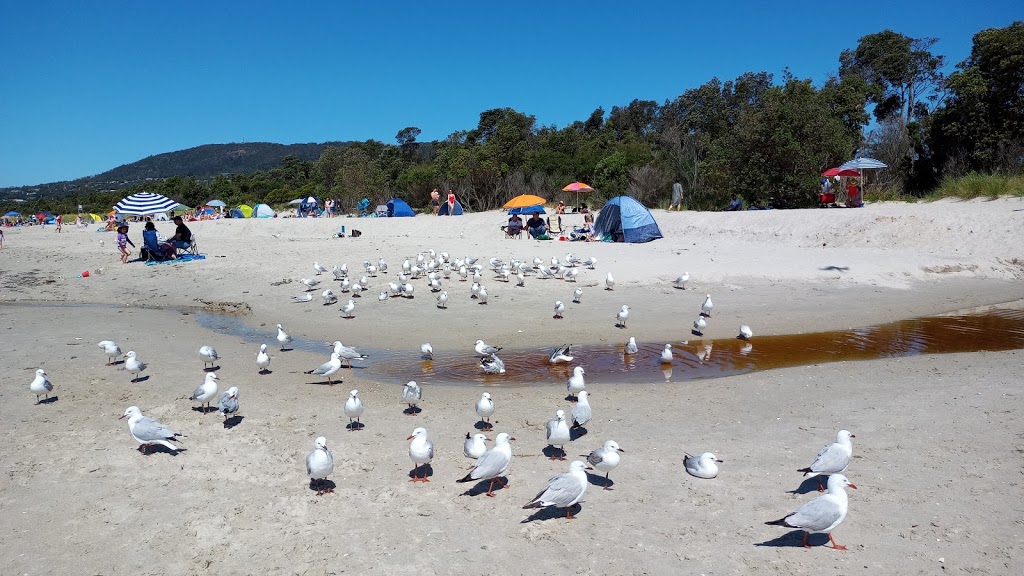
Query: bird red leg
[[415, 476], [568, 514], [834, 545], [425, 479], [502, 482], [490, 488], [806, 534], [821, 487]]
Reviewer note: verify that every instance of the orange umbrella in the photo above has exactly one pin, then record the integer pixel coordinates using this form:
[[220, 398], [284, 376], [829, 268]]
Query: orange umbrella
[[577, 187], [524, 200]]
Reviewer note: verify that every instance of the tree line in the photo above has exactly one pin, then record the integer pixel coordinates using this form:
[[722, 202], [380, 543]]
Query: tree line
[[762, 139]]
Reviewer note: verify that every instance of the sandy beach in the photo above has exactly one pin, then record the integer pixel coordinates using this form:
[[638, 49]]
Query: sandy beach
[[937, 458]]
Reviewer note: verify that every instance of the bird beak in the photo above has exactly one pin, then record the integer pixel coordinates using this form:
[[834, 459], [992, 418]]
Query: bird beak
[[409, 438], [719, 461], [122, 416], [854, 486], [511, 439], [589, 468], [488, 439], [853, 435], [621, 450]]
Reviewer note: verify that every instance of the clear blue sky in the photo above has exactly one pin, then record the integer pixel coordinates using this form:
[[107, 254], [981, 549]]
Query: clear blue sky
[[88, 86]]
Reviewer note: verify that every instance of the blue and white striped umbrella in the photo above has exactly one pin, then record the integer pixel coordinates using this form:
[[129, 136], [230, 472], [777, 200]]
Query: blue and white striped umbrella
[[862, 163], [145, 203]]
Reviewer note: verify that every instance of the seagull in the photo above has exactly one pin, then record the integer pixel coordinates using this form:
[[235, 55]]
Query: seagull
[[412, 395], [302, 298], [485, 409], [564, 490], [493, 463], [421, 452], [609, 282], [492, 365], [435, 285], [571, 259], [228, 402], [558, 433], [706, 307], [745, 332], [348, 308], [372, 271], [575, 383], [40, 385], [577, 295], [339, 273], [283, 338], [329, 297], [482, 295], [319, 465], [407, 290], [406, 266], [133, 364], [474, 446], [559, 308], [622, 315], [581, 412], [561, 355], [832, 459], [382, 265], [394, 289], [327, 368], [485, 349], [681, 281], [605, 459], [520, 279], [354, 409], [147, 431], [570, 274], [666, 354], [319, 269], [356, 289], [544, 273], [209, 356], [111, 349], [310, 283], [206, 391], [703, 466], [442, 300], [699, 325], [463, 273], [426, 351], [591, 262], [823, 514], [474, 290], [347, 353], [346, 284], [382, 297], [631, 347]]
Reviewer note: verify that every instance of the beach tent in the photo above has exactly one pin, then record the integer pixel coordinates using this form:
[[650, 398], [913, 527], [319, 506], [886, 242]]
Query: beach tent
[[444, 209], [180, 209], [144, 204], [398, 207], [246, 210], [262, 211], [626, 220], [235, 213]]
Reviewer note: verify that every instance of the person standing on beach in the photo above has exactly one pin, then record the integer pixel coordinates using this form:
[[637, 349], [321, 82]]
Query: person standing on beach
[[60, 222], [1, 238], [435, 201], [677, 197], [451, 202], [122, 243]]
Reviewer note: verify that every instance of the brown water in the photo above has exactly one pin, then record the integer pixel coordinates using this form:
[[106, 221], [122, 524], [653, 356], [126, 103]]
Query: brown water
[[991, 331]]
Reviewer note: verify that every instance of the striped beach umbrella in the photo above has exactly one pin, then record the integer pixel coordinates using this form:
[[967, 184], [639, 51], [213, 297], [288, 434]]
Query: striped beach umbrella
[[144, 203]]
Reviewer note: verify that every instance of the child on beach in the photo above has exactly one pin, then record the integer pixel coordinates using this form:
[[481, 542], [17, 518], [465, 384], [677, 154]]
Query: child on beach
[[122, 243]]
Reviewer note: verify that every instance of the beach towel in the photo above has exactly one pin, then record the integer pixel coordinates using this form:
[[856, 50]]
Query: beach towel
[[181, 259]]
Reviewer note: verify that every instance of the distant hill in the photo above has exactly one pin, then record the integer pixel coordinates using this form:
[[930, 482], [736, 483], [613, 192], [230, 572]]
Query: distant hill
[[202, 162]]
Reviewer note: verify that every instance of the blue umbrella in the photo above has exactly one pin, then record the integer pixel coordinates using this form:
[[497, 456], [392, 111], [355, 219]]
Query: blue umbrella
[[216, 203], [12, 214], [535, 209]]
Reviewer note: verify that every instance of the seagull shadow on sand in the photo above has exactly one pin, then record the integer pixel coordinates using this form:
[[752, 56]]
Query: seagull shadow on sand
[[550, 513], [482, 486], [421, 471], [140, 378], [233, 421], [555, 453], [696, 332], [485, 426], [795, 539], [211, 368], [265, 371], [412, 410], [601, 481], [158, 449], [354, 426], [49, 400], [809, 485], [320, 486], [575, 433]]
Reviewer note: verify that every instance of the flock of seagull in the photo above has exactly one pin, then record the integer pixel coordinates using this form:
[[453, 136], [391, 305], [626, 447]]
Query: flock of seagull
[[819, 515]]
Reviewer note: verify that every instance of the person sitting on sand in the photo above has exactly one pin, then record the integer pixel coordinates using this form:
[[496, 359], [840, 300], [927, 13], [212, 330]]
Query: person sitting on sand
[[561, 208], [152, 242], [586, 233], [536, 226], [182, 235], [734, 205]]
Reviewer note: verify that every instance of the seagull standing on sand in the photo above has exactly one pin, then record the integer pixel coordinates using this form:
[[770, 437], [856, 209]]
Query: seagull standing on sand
[[206, 391], [382, 297], [562, 355], [581, 412], [327, 368], [227, 404], [310, 283], [558, 433], [421, 452], [666, 354], [147, 431], [559, 308], [283, 339], [474, 446], [40, 385], [699, 325], [577, 295], [319, 465], [681, 281], [706, 307], [348, 308], [354, 409], [133, 365], [631, 347], [520, 279], [823, 514], [482, 295], [111, 349], [412, 395], [442, 300], [319, 269], [605, 459], [745, 332], [621, 316], [575, 384], [426, 351], [832, 459], [493, 463], [703, 466], [609, 282], [329, 297], [485, 409], [208, 356], [564, 490]]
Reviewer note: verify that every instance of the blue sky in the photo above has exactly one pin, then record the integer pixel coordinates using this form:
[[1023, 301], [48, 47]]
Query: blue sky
[[88, 86]]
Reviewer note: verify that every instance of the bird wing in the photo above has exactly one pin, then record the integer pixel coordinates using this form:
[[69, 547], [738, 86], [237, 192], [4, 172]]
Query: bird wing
[[561, 491], [149, 430], [831, 460], [492, 463], [595, 458], [309, 463], [552, 426], [323, 369], [581, 414], [198, 392], [226, 404], [816, 514]]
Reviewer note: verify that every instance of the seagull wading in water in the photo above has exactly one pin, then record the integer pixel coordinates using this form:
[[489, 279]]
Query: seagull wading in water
[[283, 338], [823, 514]]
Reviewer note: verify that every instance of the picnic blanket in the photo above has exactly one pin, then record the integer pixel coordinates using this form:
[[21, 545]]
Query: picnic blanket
[[181, 259]]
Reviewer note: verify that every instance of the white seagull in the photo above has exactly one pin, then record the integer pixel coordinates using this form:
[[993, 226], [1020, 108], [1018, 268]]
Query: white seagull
[[348, 308], [327, 368], [474, 446], [147, 431], [558, 433], [681, 281], [40, 385], [492, 364], [621, 316], [133, 365], [581, 412], [564, 490], [319, 269], [354, 409], [485, 409], [382, 297], [609, 282], [283, 339], [426, 351], [111, 349], [482, 295], [832, 459], [706, 307], [823, 514], [206, 391], [484, 349], [329, 297], [227, 404], [605, 459], [310, 283], [631, 347], [577, 295], [208, 356], [559, 308], [703, 466], [348, 353], [442, 300], [262, 359], [319, 465], [699, 325], [561, 355], [421, 452], [302, 298], [412, 395], [745, 332], [575, 384], [666, 354], [493, 463]]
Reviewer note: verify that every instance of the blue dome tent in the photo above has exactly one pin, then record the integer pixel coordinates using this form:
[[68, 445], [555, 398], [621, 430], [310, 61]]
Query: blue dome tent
[[398, 207], [626, 220], [455, 212]]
